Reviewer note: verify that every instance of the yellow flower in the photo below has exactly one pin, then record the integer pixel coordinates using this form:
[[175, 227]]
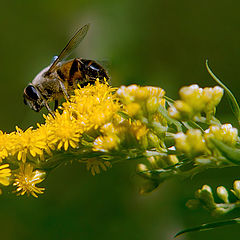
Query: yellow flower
[[6, 143], [45, 131], [92, 106], [138, 129], [28, 142], [225, 133], [192, 95], [180, 110], [106, 143], [26, 179], [135, 93], [192, 142], [194, 101], [5, 173], [94, 165], [63, 130]]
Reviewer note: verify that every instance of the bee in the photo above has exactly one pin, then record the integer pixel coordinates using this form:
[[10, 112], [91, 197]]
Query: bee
[[61, 77]]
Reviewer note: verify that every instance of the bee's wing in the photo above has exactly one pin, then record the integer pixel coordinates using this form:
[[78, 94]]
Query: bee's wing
[[73, 43]]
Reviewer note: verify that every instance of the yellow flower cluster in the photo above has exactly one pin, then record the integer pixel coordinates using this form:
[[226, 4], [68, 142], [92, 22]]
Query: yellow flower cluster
[[140, 105], [225, 133], [205, 197], [194, 142], [194, 101], [100, 125], [191, 143], [87, 110]]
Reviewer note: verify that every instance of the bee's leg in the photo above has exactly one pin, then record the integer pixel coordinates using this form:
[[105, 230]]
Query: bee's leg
[[55, 105], [64, 90], [49, 109]]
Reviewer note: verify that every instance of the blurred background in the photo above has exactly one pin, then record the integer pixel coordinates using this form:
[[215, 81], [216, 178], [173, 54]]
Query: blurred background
[[162, 43]]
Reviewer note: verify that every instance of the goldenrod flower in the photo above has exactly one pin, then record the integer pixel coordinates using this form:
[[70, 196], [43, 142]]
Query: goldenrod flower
[[135, 93], [138, 129], [225, 133], [28, 142], [94, 165], [192, 95], [26, 179], [194, 101], [5, 173], [64, 131], [92, 106], [106, 143], [6, 144], [192, 142], [44, 130]]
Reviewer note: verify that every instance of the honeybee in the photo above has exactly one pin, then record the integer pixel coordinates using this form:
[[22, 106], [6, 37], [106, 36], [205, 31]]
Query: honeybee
[[62, 77]]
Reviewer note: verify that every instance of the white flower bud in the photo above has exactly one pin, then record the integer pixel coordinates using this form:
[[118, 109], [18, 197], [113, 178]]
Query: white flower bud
[[223, 194]]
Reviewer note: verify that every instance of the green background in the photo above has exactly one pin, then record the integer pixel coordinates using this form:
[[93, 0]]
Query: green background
[[163, 43]]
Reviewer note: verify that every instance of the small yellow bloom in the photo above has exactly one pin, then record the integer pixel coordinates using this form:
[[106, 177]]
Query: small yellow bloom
[[92, 106], [63, 130], [26, 179], [94, 165], [106, 143], [181, 110], [138, 129], [225, 133], [5, 173], [44, 130], [133, 109], [134, 93], [28, 142], [192, 142], [196, 100], [6, 143]]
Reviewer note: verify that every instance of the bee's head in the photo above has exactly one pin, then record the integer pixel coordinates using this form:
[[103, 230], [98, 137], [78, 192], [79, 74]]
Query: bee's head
[[32, 98]]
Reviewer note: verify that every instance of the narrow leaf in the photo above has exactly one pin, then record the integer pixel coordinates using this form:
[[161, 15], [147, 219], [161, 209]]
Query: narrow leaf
[[164, 112], [233, 102], [232, 154], [209, 226]]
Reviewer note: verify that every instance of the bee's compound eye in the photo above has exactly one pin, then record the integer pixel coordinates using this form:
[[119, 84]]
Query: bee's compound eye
[[31, 92]]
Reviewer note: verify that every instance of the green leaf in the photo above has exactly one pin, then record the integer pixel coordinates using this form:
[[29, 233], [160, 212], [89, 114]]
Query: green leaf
[[164, 112], [123, 115], [233, 102], [209, 226], [232, 154]]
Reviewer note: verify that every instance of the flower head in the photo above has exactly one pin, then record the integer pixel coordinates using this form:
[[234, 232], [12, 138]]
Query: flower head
[[194, 101], [26, 179], [94, 165], [225, 133], [5, 173], [28, 141], [191, 143], [64, 131]]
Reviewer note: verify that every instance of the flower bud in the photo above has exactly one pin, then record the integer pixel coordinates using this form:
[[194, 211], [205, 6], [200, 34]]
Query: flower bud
[[152, 104], [142, 169], [133, 109], [207, 188], [236, 188], [223, 194]]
